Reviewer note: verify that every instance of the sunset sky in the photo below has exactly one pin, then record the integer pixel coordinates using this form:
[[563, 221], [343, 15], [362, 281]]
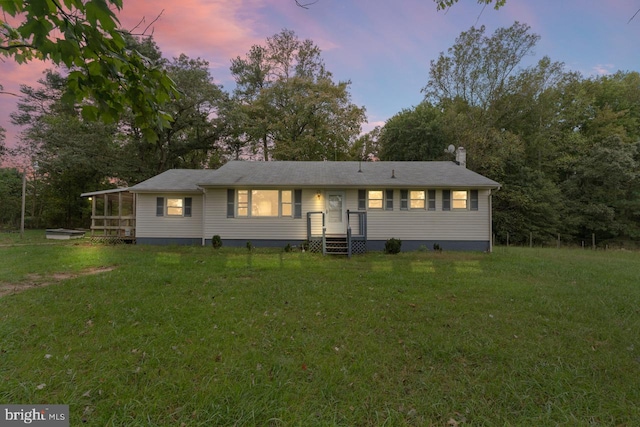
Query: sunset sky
[[383, 47]]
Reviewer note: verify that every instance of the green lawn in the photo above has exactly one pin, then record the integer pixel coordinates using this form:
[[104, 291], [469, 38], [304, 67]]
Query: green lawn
[[195, 336]]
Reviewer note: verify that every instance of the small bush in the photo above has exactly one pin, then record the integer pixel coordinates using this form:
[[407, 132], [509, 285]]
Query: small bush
[[216, 242], [436, 247], [249, 246], [392, 246], [288, 248]]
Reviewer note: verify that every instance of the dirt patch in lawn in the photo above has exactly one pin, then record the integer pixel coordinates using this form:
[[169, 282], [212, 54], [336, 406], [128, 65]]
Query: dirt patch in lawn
[[39, 280]]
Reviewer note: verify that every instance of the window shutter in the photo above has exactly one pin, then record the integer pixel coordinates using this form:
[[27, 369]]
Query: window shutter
[[432, 200], [160, 206], [187, 206], [231, 199], [297, 203], [446, 200], [362, 200], [404, 200], [388, 200], [474, 200]]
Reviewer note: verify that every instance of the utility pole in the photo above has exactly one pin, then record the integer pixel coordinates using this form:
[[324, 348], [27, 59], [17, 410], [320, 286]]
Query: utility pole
[[24, 199]]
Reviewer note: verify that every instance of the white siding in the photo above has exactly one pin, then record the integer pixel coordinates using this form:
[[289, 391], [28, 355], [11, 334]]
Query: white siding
[[430, 225], [280, 228], [148, 225], [381, 224]]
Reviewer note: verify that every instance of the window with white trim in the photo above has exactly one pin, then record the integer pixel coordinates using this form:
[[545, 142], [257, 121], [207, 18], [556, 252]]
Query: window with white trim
[[459, 199], [416, 199], [375, 199], [263, 203], [173, 206]]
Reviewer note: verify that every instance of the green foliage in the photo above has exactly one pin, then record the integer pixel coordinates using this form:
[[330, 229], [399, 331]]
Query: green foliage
[[249, 245], [83, 36], [216, 241], [392, 246], [286, 105], [414, 134], [288, 248], [11, 196]]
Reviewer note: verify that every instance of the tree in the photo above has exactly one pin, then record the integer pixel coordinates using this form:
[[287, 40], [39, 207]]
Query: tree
[[196, 127], [413, 134], [83, 36], [10, 194], [287, 106], [445, 4], [477, 68], [70, 155]]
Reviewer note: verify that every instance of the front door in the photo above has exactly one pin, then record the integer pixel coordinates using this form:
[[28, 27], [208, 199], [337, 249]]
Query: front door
[[336, 212]]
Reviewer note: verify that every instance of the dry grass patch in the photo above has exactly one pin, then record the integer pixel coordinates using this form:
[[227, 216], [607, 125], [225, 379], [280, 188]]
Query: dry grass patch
[[39, 280]]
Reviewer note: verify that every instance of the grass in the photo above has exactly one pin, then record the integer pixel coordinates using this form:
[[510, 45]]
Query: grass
[[194, 336]]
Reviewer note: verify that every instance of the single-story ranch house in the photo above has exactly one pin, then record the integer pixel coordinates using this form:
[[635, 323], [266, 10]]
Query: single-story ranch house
[[340, 207]]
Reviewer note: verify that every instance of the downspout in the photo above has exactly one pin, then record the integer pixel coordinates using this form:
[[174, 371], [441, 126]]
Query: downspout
[[204, 204], [491, 218]]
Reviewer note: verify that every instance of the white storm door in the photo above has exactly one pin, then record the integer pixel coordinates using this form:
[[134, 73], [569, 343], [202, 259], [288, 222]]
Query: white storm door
[[336, 221]]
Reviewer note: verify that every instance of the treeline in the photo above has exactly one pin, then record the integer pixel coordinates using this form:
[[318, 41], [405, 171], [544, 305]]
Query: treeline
[[565, 148]]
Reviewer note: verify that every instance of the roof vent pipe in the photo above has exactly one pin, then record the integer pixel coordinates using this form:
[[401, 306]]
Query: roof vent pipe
[[461, 157], [393, 173]]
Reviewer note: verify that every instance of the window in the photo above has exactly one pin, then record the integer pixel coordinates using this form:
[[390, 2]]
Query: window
[[264, 203], [375, 199], [243, 203], [174, 206], [416, 199], [286, 203], [459, 199]]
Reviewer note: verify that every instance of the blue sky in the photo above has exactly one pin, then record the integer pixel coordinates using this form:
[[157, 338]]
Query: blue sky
[[383, 47]]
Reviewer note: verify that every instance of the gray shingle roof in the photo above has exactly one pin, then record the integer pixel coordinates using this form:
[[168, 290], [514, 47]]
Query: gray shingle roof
[[174, 180], [320, 174]]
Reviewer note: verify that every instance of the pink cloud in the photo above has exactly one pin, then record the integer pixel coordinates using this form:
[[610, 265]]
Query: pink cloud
[[216, 31]]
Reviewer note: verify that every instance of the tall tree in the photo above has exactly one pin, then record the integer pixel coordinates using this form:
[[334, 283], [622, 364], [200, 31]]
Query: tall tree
[[70, 155], [287, 104], [84, 36], [477, 68], [191, 140], [413, 134]]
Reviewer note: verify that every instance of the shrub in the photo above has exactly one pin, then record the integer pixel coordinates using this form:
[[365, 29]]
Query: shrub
[[288, 248], [249, 246], [216, 242], [436, 247], [392, 246]]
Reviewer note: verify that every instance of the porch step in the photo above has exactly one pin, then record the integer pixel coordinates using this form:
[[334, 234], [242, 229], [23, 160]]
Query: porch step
[[336, 244]]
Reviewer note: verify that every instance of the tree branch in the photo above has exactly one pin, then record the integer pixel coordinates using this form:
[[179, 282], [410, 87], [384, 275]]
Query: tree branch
[[634, 15], [306, 5]]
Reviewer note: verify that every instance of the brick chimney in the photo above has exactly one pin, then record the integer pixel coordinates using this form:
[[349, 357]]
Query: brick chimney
[[461, 157]]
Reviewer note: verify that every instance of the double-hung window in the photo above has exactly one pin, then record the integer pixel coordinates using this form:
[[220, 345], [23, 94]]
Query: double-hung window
[[375, 199], [412, 199], [173, 206], [417, 199], [460, 200], [264, 203]]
